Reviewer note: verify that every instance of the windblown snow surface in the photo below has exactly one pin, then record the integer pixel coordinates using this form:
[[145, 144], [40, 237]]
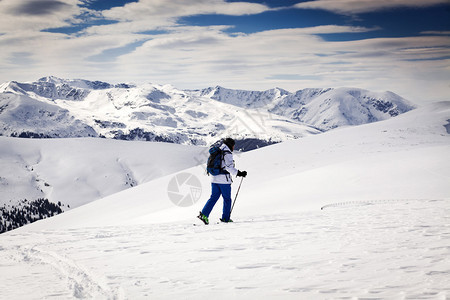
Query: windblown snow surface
[[355, 213]]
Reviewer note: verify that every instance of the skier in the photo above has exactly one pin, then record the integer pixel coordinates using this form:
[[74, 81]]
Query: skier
[[221, 184]]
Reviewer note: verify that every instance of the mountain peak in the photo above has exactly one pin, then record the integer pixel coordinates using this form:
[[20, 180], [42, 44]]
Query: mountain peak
[[51, 79], [78, 83]]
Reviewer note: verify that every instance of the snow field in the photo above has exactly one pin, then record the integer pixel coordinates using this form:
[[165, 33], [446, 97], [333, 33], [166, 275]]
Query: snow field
[[383, 232], [391, 250]]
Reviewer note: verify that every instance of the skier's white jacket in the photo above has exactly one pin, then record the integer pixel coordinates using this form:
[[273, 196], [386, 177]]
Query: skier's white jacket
[[227, 165]]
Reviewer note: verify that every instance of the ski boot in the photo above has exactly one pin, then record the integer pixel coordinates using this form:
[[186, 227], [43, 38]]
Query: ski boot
[[203, 218], [226, 221]]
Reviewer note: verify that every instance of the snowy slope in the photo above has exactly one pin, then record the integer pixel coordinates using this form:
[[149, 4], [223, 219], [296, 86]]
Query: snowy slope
[[72, 172], [163, 113], [23, 116], [402, 158], [78, 171], [383, 231]]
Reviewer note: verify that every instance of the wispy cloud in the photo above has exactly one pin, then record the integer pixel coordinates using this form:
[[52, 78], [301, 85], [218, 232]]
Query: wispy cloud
[[363, 6], [436, 32]]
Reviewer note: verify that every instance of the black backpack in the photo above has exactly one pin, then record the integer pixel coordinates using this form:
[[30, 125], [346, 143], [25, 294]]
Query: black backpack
[[214, 163]]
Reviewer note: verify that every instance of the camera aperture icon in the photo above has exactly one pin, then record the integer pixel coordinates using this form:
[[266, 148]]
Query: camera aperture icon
[[184, 189]]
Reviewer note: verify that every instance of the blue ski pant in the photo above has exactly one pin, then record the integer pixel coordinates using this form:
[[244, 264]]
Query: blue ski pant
[[217, 190]]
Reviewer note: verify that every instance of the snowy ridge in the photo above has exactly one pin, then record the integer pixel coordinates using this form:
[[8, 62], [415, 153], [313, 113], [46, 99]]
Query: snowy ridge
[[322, 108], [52, 88], [249, 99], [332, 108], [163, 113]]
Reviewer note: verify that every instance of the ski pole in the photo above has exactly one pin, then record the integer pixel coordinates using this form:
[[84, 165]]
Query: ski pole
[[235, 197]]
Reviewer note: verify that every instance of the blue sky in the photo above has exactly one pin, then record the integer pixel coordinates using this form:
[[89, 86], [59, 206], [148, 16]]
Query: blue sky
[[397, 45]]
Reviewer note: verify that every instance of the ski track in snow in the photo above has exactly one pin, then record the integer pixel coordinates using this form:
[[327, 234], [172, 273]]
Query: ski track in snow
[[79, 283], [384, 250]]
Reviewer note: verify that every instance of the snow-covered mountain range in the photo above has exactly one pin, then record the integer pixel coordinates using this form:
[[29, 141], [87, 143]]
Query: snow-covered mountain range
[[59, 108], [358, 212], [54, 107]]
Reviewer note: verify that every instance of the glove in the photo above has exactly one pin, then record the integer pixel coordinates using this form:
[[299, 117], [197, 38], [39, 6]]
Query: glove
[[241, 173]]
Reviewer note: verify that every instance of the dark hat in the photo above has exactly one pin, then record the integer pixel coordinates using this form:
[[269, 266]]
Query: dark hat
[[229, 142]]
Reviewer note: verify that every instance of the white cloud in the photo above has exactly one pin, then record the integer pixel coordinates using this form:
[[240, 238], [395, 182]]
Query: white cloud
[[147, 9], [147, 15], [364, 6]]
